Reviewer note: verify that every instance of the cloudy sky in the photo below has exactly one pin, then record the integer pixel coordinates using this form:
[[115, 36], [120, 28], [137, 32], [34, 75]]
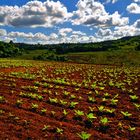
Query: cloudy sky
[[59, 21]]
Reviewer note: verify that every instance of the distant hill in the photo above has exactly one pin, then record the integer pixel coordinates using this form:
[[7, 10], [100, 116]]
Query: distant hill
[[124, 50]]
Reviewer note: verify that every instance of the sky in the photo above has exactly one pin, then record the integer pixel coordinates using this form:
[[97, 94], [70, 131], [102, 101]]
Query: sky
[[68, 21]]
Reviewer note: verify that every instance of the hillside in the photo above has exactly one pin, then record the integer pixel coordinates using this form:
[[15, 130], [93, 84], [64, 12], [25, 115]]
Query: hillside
[[121, 51]]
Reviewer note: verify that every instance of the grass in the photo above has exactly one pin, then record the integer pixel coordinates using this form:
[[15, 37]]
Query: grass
[[29, 55], [117, 57]]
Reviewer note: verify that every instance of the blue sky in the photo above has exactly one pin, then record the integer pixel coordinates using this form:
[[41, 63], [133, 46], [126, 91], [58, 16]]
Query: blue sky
[[47, 21]]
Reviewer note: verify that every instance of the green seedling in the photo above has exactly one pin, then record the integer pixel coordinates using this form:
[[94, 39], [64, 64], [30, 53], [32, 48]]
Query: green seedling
[[45, 127], [91, 109], [66, 93], [62, 102], [101, 108], [2, 99], [1, 112], [43, 111], [79, 113], [53, 113], [84, 136], [73, 104], [114, 101], [106, 95], [59, 130], [131, 128], [91, 117], [53, 100], [34, 106], [126, 114], [104, 121], [19, 102], [91, 99], [65, 112], [137, 106], [110, 111], [134, 97], [72, 96]]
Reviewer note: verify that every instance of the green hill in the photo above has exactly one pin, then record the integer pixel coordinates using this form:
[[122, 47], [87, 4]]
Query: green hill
[[121, 51]]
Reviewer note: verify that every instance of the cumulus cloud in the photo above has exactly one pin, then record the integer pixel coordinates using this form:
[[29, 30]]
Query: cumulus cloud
[[118, 32], [103, 32], [136, 0], [137, 24], [78, 33], [110, 1], [126, 31], [69, 36], [29, 37], [114, 1], [92, 13], [65, 31], [134, 8], [3, 32], [34, 14]]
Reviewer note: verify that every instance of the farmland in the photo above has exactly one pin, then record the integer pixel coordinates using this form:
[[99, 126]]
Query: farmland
[[57, 100]]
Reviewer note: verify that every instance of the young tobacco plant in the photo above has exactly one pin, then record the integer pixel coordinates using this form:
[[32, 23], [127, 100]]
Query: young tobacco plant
[[73, 104], [53, 100], [104, 121], [79, 113], [110, 111], [126, 114], [91, 109], [101, 108], [62, 102], [91, 117], [131, 128], [114, 101], [133, 98], [72, 96], [84, 135], [91, 99], [2, 99], [34, 106], [137, 106], [43, 111], [65, 112], [19, 102], [59, 130], [106, 95], [45, 127]]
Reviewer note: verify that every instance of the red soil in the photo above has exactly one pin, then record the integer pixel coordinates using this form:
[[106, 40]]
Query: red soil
[[25, 124]]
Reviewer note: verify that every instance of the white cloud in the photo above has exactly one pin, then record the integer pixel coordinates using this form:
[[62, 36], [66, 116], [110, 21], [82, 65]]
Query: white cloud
[[53, 36], [118, 32], [137, 24], [65, 31], [133, 8], [103, 32], [91, 13], [78, 33], [3, 32], [110, 1], [34, 14], [114, 1], [126, 31], [136, 0], [29, 37], [69, 35]]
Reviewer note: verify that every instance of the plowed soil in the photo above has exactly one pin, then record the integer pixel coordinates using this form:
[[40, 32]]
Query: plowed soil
[[24, 123]]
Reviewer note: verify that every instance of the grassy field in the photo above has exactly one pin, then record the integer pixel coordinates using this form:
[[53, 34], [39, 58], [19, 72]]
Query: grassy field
[[107, 57], [116, 57]]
